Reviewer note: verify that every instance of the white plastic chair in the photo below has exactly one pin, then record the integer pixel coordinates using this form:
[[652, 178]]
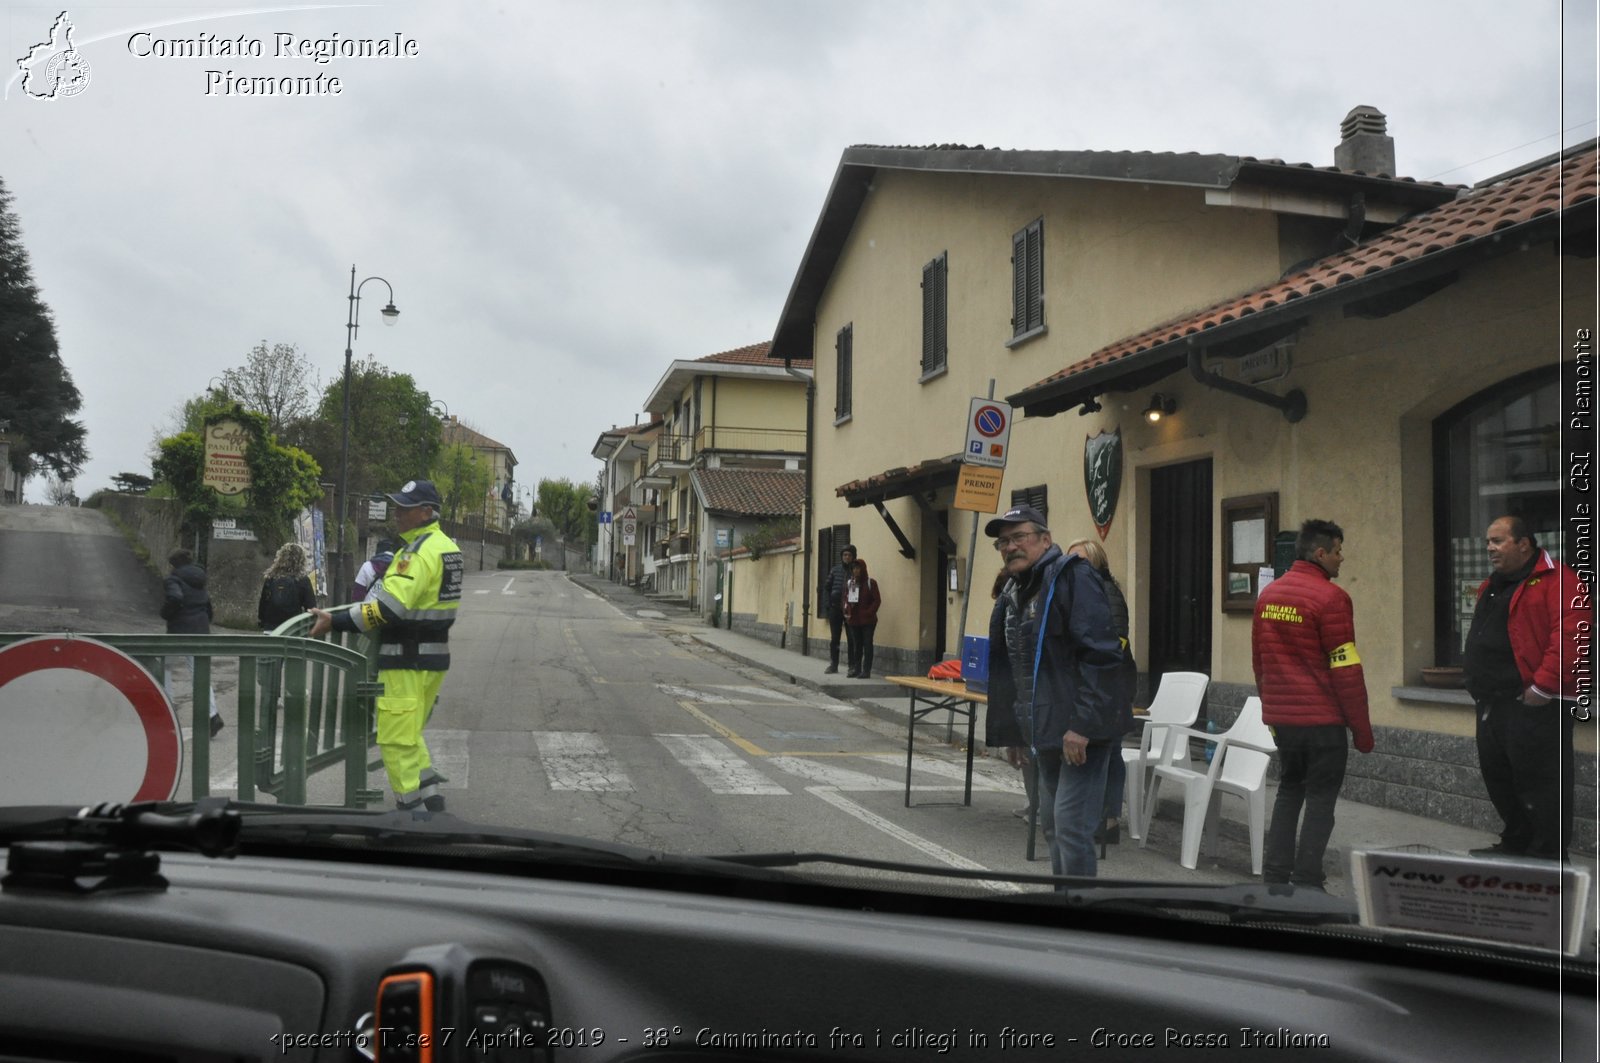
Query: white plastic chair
[[1177, 704], [1238, 766]]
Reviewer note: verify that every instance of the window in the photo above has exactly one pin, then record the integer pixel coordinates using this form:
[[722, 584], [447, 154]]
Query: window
[[842, 352], [1038, 497], [1027, 280], [829, 542], [1494, 455], [935, 314]]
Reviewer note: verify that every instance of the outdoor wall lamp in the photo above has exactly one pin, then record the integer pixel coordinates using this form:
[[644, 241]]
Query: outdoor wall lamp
[[1160, 406]]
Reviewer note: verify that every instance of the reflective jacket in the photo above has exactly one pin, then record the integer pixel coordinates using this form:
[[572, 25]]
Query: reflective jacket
[[1546, 627], [1303, 649], [414, 606], [1065, 674]]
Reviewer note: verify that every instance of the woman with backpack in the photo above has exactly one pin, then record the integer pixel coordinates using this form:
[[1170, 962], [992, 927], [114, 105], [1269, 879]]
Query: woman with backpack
[[285, 593], [285, 588]]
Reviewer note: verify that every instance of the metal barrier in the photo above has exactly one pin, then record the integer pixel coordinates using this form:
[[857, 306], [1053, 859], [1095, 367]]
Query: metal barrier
[[318, 693]]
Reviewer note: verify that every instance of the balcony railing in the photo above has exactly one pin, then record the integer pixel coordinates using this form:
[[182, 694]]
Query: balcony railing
[[671, 450], [750, 440]]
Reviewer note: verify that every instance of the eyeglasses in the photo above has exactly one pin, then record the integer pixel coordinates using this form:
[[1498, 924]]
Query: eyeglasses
[[1008, 540]]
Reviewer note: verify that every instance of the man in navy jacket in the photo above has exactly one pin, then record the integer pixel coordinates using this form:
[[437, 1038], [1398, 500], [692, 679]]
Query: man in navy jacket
[[1054, 661]]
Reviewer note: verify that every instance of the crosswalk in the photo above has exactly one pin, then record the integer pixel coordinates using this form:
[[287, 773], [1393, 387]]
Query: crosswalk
[[583, 761]]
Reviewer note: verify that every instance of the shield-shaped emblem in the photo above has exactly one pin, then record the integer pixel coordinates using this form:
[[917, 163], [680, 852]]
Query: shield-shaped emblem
[[1102, 477]]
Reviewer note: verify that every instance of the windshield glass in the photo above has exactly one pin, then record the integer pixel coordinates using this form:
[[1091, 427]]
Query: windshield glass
[[622, 409]]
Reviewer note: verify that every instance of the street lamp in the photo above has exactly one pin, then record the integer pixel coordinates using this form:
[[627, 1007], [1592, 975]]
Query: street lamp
[[389, 316]]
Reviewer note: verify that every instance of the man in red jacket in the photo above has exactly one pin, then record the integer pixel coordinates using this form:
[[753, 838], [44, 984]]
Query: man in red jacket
[[1522, 657], [1303, 647]]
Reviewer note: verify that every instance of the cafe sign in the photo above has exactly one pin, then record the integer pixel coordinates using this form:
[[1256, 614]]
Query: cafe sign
[[225, 467]]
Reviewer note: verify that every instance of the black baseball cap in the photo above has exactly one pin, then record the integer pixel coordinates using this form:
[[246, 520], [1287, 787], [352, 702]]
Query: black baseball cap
[[417, 493], [1015, 515]]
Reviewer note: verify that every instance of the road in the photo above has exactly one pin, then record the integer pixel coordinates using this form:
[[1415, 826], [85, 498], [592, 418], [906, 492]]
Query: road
[[65, 568], [563, 712]]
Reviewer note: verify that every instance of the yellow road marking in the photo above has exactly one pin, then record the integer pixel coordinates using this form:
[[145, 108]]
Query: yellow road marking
[[748, 746]]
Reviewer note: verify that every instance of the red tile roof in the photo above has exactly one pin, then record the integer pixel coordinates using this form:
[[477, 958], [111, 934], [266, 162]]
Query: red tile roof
[[755, 354], [1476, 216], [453, 432], [898, 482], [751, 492]]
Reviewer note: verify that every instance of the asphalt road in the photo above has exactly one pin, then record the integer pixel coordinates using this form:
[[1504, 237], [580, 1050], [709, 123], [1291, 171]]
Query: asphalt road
[[69, 569]]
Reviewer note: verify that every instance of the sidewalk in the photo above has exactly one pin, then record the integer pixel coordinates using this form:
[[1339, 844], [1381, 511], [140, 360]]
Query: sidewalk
[[1357, 825]]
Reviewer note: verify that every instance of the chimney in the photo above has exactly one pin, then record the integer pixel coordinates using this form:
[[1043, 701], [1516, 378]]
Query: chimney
[[1364, 142]]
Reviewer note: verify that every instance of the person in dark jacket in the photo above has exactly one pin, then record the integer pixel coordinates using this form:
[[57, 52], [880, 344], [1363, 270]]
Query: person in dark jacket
[[861, 601], [186, 607], [830, 596], [1054, 662], [1110, 832], [1303, 650], [286, 592]]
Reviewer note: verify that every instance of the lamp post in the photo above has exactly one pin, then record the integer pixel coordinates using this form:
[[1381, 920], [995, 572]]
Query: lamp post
[[389, 316]]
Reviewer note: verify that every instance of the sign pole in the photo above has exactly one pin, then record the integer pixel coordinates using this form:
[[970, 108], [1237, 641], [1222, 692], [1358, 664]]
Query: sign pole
[[972, 564]]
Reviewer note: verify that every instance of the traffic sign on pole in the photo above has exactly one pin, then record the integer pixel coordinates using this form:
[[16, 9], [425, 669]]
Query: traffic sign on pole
[[988, 433], [83, 722]]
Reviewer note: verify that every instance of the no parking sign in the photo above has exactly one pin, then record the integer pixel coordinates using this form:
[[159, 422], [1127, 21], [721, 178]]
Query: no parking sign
[[84, 723], [988, 433]]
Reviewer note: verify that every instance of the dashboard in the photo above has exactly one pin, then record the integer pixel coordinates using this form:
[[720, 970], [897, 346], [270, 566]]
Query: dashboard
[[263, 957]]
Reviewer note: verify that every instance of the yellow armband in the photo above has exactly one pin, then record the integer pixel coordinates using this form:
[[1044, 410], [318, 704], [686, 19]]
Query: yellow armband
[[1344, 656]]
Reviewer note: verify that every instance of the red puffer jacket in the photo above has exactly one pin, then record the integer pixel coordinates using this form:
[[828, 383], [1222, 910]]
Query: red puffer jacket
[[1547, 610], [1303, 647]]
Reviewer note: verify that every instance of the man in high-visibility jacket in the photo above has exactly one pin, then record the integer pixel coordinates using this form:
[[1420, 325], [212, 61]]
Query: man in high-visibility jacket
[[411, 610]]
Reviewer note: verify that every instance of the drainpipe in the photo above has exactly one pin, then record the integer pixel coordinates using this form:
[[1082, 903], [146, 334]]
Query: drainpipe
[[805, 515], [1293, 404]]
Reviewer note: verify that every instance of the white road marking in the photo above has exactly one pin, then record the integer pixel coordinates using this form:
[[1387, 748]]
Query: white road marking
[[685, 694], [480, 592], [825, 774], [721, 769], [916, 841], [507, 588], [944, 768], [759, 693], [578, 760]]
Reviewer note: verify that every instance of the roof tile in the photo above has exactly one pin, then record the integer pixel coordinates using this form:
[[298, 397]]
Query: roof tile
[[1564, 183], [752, 492]]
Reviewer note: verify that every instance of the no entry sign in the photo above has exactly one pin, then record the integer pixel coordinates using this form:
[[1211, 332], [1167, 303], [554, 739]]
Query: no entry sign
[[83, 723]]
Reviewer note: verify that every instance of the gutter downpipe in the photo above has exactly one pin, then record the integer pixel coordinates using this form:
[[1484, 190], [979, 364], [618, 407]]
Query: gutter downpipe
[[1293, 405], [805, 515]]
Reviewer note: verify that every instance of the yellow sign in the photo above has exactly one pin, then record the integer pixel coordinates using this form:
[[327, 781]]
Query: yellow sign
[[225, 467], [978, 489]]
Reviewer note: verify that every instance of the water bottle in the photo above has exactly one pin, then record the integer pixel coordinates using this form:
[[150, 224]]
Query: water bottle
[[1211, 746]]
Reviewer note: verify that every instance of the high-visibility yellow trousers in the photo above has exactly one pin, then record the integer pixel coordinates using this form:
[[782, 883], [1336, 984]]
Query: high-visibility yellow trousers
[[403, 711]]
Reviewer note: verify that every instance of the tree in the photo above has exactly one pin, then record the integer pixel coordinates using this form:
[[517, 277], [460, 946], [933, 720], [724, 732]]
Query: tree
[[394, 434], [462, 479], [276, 383], [566, 506], [131, 483], [58, 492], [37, 395]]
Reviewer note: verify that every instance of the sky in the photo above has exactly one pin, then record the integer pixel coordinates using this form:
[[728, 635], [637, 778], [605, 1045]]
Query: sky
[[565, 197]]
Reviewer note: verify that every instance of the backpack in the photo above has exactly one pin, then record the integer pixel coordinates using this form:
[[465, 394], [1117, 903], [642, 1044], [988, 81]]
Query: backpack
[[283, 598]]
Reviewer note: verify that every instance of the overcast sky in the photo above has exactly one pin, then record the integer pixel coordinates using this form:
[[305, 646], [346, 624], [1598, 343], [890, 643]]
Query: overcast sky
[[568, 196]]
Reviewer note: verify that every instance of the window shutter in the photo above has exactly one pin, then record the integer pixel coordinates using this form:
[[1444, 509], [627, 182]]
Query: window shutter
[[1019, 282], [842, 349], [935, 314], [1037, 496], [1036, 274]]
